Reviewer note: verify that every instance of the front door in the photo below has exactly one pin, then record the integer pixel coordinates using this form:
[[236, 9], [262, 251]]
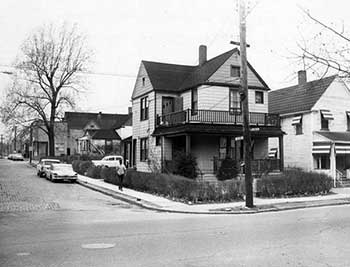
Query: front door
[[167, 105]]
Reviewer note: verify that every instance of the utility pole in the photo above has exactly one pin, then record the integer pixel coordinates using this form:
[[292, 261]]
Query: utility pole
[[2, 145], [244, 100]]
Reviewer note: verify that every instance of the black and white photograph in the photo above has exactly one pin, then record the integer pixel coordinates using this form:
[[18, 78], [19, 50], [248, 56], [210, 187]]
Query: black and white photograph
[[193, 133]]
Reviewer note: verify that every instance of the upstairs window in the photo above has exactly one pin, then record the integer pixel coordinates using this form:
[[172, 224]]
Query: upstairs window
[[144, 149], [297, 121], [235, 71], [348, 119], [326, 116], [259, 97], [144, 108], [234, 101], [143, 81], [194, 103]]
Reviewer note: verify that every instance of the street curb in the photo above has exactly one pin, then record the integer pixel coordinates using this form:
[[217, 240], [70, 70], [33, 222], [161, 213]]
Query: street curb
[[151, 206]]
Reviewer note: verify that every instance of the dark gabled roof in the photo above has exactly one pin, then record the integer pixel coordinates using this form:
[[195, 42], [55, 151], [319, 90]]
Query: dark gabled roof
[[104, 134], [202, 73], [78, 120], [298, 97], [176, 78], [167, 77], [336, 136]]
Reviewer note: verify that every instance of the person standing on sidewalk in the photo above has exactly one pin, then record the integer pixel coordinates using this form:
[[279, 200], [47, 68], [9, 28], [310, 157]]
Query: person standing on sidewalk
[[121, 171]]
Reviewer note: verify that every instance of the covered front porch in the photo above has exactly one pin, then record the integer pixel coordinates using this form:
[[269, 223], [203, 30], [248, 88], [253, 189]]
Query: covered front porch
[[331, 155], [211, 149]]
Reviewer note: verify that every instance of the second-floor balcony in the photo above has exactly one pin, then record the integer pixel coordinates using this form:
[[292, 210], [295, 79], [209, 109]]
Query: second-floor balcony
[[216, 117]]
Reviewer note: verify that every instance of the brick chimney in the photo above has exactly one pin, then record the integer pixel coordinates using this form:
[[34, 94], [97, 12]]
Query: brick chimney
[[202, 55], [129, 110], [302, 77]]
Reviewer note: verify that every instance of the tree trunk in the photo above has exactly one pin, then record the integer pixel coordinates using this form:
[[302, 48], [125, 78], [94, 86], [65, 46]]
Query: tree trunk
[[51, 135]]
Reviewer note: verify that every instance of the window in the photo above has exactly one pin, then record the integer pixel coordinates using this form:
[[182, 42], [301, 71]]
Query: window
[[324, 123], [223, 147], [259, 97], [297, 121], [234, 101], [143, 81], [158, 140], [235, 71], [348, 119], [194, 104], [144, 108], [144, 149], [322, 162]]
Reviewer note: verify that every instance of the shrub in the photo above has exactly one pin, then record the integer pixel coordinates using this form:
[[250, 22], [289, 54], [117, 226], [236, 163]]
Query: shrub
[[84, 166], [94, 172], [109, 175], [178, 187], [185, 165], [228, 170], [295, 182]]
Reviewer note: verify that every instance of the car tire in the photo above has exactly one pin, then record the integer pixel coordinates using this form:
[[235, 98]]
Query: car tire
[[38, 174]]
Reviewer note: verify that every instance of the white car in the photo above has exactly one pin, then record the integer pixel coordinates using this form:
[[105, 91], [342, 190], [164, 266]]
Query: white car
[[108, 161], [60, 171], [15, 156], [43, 165]]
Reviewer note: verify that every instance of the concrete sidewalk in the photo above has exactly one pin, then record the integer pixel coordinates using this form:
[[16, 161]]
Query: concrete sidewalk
[[339, 196]]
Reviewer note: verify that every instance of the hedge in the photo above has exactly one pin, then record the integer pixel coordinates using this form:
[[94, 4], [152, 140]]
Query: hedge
[[180, 188], [295, 182]]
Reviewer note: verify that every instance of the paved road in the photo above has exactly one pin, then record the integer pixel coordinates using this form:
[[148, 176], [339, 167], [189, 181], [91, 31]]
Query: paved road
[[68, 225]]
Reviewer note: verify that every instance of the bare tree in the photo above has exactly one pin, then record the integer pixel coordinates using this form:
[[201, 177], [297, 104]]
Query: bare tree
[[327, 50], [47, 78]]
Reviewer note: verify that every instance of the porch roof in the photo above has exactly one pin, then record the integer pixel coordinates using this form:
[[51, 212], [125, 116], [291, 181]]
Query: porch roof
[[336, 136], [108, 134], [234, 130]]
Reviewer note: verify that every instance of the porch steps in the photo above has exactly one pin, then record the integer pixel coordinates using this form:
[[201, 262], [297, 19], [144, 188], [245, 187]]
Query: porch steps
[[343, 182]]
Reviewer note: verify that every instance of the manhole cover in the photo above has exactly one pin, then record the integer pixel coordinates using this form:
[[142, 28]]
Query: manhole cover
[[98, 246]]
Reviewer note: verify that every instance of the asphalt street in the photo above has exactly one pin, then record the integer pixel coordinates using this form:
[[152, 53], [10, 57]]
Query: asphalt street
[[63, 224]]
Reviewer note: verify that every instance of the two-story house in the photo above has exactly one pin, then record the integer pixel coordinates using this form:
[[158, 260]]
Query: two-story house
[[197, 110], [316, 119]]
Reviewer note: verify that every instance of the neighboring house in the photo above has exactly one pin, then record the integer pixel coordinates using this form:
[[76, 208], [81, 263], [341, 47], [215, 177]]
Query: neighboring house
[[96, 133], [85, 133], [40, 140], [197, 110], [316, 119]]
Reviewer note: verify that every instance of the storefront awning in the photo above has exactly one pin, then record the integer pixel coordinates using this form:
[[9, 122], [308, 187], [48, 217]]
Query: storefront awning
[[327, 114], [321, 148], [273, 153], [342, 149], [296, 120]]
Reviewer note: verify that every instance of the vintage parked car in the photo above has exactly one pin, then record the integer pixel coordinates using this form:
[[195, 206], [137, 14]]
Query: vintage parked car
[[61, 171], [43, 165], [108, 161], [16, 156]]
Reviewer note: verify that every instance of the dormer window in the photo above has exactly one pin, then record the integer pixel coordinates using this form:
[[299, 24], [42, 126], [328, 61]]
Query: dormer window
[[235, 71], [92, 126]]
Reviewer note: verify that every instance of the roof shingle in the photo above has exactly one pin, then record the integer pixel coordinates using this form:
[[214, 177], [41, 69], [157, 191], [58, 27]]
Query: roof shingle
[[298, 97]]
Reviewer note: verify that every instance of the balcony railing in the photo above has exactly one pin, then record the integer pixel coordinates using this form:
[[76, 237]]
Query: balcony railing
[[216, 117]]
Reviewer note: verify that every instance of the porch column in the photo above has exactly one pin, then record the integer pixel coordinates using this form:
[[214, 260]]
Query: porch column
[[188, 144], [333, 166], [281, 150]]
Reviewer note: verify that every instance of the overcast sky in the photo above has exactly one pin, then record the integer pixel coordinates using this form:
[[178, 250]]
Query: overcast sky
[[122, 33]]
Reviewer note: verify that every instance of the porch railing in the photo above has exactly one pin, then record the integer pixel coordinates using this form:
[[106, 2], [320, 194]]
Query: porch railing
[[258, 165], [216, 116]]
